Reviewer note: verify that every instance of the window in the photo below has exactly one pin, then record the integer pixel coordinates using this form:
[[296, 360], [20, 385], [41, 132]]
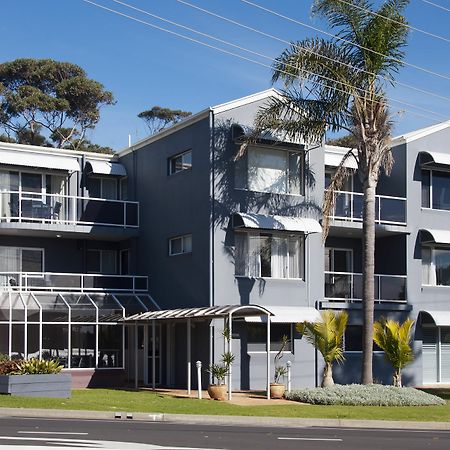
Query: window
[[101, 261], [17, 259], [353, 339], [435, 189], [180, 245], [180, 162], [257, 337], [102, 187], [271, 170], [435, 266], [269, 255]]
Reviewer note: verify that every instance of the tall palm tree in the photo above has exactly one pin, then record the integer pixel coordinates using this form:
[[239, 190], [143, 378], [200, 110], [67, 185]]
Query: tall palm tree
[[327, 336], [395, 339], [340, 84]]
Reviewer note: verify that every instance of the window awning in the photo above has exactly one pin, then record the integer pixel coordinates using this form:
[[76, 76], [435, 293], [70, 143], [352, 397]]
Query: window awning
[[440, 318], [334, 160], [40, 159], [437, 236], [435, 158], [250, 220], [105, 168], [289, 314]]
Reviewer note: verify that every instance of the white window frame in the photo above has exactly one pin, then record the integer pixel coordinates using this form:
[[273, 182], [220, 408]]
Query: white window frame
[[430, 199], [20, 249], [302, 268], [432, 266], [117, 193], [180, 155], [183, 238], [287, 152], [342, 249]]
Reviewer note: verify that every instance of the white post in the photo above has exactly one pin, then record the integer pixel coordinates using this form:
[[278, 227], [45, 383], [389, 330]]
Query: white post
[[230, 349], [268, 357], [136, 349], [199, 378], [189, 356], [289, 365], [153, 354]]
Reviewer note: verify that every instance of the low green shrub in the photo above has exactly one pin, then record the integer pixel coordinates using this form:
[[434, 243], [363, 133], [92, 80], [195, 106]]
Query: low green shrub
[[362, 395], [36, 366]]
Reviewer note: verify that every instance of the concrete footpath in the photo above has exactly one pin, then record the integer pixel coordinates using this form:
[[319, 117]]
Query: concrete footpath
[[247, 421]]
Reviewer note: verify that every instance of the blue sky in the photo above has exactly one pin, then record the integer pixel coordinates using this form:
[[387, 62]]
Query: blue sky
[[145, 67]]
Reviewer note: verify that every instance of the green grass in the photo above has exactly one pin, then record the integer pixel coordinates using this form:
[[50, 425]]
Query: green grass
[[146, 401]]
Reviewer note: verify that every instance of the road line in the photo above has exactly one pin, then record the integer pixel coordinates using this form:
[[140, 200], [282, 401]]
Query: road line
[[308, 439], [54, 432]]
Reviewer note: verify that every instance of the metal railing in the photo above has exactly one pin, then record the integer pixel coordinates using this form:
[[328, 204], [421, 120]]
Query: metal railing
[[20, 206], [347, 287], [66, 282], [388, 210]]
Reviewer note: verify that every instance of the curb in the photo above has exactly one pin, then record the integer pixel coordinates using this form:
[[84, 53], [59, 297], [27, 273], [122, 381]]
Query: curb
[[248, 421]]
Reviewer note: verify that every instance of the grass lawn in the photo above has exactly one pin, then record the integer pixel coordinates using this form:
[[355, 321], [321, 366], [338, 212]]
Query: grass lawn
[[146, 401]]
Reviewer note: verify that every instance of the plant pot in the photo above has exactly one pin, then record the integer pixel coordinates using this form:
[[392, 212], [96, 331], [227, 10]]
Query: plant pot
[[217, 391], [277, 390]]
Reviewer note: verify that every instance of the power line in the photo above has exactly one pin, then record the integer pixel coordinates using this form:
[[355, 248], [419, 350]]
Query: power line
[[251, 60], [436, 5], [422, 69], [265, 56], [373, 13], [263, 33]]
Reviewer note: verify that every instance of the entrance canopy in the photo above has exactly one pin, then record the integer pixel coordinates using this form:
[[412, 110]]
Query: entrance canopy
[[440, 318], [289, 314], [214, 312]]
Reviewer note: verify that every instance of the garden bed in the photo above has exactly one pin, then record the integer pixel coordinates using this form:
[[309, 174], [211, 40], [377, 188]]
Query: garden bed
[[48, 385], [360, 395]]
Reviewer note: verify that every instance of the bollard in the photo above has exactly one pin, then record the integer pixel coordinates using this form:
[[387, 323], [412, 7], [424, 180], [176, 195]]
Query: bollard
[[199, 378], [288, 365]]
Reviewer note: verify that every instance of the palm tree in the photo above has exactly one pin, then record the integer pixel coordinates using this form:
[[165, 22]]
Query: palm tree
[[395, 339], [340, 84], [327, 336]]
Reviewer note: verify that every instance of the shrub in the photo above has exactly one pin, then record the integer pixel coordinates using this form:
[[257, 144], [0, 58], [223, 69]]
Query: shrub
[[3, 357], [36, 366], [8, 366], [364, 395]]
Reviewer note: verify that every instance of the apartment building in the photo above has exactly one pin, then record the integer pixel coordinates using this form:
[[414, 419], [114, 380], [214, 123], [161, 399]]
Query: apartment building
[[226, 238]]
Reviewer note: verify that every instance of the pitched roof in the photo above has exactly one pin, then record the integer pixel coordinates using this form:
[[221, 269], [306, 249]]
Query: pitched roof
[[420, 133]]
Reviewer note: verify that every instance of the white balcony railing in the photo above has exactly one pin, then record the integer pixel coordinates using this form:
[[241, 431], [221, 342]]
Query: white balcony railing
[[29, 207], [66, 282], [388, 210], [347, 286]]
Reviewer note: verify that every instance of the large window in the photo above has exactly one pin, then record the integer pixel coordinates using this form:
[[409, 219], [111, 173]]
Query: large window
[[17, 259], [181, 244], [257, 337], [353, 339], [101, 261], [435, 189], [436, 266], [271, 255], [102, 187], [180, 162], [266, 169]]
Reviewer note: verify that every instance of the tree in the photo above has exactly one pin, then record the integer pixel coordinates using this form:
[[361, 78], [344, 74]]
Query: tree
[[344, 141], [339, 85], [395, 339], [159, 118], [43, 94], [327, 336]]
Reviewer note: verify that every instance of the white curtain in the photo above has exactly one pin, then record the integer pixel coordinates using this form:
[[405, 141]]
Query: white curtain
[[279, 257], [428, 274], [254, 253], [295, 257], [267, 170], [241, 254]]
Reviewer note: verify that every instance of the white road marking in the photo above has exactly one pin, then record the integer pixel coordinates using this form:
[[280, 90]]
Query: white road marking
[[53, 432], [395, 430], [308, 439]]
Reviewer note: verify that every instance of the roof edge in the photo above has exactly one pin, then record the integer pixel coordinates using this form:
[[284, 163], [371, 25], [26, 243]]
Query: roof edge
[[420, 133]]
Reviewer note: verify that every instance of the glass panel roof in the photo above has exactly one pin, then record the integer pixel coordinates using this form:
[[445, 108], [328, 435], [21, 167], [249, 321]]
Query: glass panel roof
[[4, 307], [109, 309], [54, 309], [82, 307], [18, 308], [131, 304]]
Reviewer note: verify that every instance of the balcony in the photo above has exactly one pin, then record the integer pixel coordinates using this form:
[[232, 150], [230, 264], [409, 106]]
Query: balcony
[[388, 210], [72, 282], [60, 213], [347, 287]]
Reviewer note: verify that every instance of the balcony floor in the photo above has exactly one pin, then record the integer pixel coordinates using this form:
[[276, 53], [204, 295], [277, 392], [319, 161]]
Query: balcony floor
[[346, 228]]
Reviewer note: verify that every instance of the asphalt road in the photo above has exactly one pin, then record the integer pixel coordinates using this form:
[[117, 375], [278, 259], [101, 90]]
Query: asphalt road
[[32, 433]]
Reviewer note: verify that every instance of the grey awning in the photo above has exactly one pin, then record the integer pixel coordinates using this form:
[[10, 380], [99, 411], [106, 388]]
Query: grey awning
[[39, 159], [334, 160], [249, 220], [289, 314], [440, 318], [435, 158], [213, 312], [105, 168], [436, 236]]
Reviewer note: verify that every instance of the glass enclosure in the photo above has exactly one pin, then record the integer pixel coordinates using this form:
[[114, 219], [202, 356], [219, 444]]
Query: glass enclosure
[[81, 330]]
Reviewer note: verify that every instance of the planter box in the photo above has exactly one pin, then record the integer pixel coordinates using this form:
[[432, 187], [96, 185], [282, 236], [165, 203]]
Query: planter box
[[55, 385]]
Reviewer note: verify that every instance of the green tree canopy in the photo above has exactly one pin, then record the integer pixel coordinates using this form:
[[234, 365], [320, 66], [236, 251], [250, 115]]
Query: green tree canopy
[[43, 95], [158, 118]]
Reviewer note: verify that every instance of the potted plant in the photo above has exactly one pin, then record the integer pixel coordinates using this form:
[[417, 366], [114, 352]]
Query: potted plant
[[218, 391], [277, 389], [34, 378]]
